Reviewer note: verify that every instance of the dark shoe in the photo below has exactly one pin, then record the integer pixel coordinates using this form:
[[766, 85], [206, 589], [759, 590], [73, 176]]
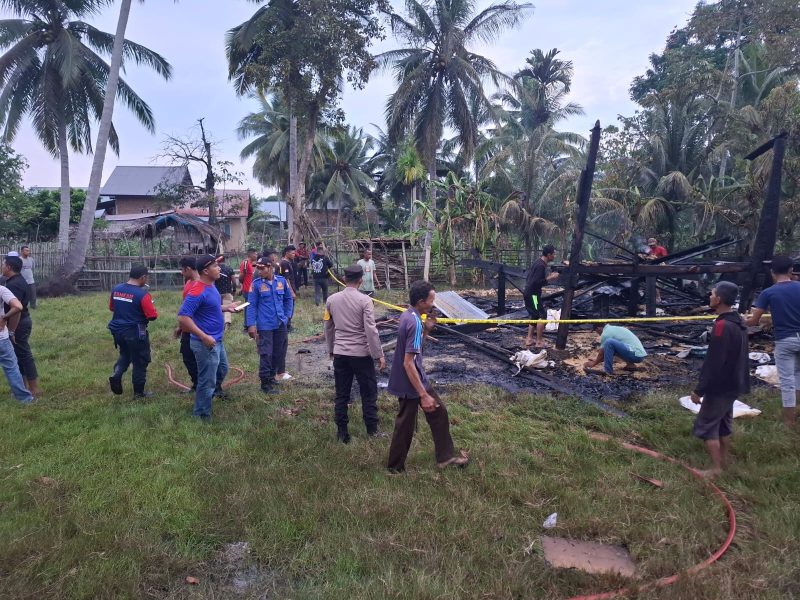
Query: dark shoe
[[221, 394], [396, 471], [268, 389], [116, 384], [143, 394], [343, 436]]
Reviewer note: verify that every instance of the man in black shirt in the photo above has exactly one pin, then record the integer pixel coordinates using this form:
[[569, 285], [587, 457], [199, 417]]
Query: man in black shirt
[[320, 264], [725, 376], [537, 278], [20, 329], [226, 286]]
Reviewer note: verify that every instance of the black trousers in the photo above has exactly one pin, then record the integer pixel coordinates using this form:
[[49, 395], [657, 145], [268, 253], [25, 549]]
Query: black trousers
[[320, 291], [272, 347], [406, 423], [22, 348], [363, 369], [134, 350], [189, 360]]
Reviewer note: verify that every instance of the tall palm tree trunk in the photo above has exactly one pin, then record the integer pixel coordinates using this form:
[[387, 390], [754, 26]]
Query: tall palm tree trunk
[[76, 258], [426, 269], [65, 205]]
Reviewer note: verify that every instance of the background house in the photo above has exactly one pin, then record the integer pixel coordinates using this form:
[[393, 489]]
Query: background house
[[136, 193]]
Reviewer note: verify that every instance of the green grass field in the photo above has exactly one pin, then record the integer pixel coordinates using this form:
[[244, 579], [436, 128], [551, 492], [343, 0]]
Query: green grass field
[[104, 497]]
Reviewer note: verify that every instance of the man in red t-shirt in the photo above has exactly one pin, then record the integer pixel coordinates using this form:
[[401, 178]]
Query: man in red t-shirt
[[188, 266], [246, 270], [656, 251]]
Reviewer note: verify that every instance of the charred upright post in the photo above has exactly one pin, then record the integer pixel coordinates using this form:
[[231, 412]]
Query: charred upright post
[[764, 245], [584, 193]]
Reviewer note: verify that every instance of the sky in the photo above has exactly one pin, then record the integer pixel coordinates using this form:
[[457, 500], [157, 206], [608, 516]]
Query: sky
[[609, 42]]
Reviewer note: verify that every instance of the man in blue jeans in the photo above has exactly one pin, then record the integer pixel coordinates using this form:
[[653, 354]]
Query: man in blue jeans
[[8, 358], [782, 299], [271, 307], [615, 341], [201, 316]]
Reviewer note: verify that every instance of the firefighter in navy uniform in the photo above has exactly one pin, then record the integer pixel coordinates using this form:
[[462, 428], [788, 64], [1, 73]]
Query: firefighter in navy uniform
[[133, 309]]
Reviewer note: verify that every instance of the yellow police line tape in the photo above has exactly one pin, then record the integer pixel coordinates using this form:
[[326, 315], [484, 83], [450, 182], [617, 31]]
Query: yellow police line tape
[[449, 321]]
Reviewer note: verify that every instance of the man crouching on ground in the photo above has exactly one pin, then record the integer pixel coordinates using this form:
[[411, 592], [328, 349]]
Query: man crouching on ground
[[725, 377], [409, 383], [615, 341]]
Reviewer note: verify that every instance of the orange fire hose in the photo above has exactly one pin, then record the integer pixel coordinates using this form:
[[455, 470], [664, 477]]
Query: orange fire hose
[[665, 581]]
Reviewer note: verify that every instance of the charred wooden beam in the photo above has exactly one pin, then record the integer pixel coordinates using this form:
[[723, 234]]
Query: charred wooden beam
[[666, 270], [764, 245], [582, 210]]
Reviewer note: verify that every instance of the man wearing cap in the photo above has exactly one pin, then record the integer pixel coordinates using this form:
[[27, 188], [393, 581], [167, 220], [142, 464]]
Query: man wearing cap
[[133, 309], [21, 325], [537, 277], [8, 359], [271, 307], [201, 316], [226, 286], [656, 251], [354, 345]]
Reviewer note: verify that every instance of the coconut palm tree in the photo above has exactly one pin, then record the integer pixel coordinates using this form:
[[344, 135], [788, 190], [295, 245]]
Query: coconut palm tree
[[270, 128], [439, 77], [69, 271], [53, 71], [437, 74], [344, 179]]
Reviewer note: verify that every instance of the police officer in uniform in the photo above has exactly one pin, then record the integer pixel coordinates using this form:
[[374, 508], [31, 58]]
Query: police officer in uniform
[[133, 308], [354, 345]]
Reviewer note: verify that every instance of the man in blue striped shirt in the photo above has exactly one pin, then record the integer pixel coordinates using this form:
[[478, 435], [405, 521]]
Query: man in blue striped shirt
[[409, 382]]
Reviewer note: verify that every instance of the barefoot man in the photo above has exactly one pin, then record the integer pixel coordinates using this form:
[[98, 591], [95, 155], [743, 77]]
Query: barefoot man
[[537, 278], [725, 377]]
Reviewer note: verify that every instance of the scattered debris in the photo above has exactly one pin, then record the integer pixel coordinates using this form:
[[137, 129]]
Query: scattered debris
[[526, 358], [550, 521], [761, 358], [290, 412], [740, 409], [654, 482], [191, 580], [46, 481], [591, 557], [768, 373]]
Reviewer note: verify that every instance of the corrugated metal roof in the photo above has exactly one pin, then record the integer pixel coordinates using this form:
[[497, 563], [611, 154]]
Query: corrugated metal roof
[[144, 181], [454, 306]]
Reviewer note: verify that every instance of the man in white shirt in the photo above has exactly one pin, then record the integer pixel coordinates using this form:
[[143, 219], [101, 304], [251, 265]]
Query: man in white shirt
[[28, 264], [370, 278], [8, 358]]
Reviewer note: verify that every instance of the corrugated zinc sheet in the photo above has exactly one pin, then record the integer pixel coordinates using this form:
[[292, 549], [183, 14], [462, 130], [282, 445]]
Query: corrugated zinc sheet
[[454, 306]]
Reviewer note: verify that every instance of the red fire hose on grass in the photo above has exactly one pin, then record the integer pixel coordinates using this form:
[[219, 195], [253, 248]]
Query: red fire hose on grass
[[225, 384], [665, 581]]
